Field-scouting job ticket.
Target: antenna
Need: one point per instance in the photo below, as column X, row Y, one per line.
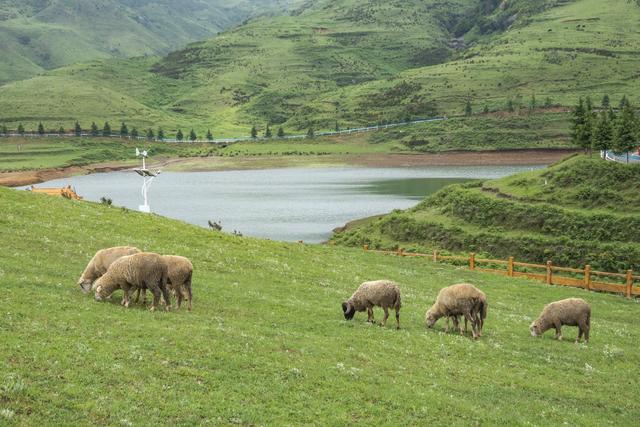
column 147, row 178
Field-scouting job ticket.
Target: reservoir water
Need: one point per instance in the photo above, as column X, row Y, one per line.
column 280, row 204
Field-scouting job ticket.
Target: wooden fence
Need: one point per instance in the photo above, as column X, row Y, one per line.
column 586, row 278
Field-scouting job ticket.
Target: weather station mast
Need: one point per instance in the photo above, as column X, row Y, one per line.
column 147, row 179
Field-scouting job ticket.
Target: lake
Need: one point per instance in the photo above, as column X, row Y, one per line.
column 280, row 204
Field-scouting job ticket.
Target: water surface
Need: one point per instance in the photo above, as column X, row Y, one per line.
column 280, row 204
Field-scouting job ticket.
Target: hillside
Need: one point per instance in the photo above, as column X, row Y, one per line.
column 577, row 212
column 38, row 35
column 266, row 342
column 354, row 62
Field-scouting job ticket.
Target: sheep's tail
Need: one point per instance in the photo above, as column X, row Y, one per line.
column 398, row 301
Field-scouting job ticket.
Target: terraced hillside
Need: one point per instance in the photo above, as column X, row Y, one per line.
column 266, row 342
column 580, row 211
column 38, row 35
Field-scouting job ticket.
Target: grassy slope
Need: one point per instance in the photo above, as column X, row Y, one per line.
column 35, row 154
column 585, row 48
column 266, row 342
column 266, row 70
column 314, row 68
column 586, row 213
column 40, row 35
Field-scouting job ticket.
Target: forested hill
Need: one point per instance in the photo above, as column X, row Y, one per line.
column 36, row 35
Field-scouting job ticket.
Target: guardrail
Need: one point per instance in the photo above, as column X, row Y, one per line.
column 585, row 278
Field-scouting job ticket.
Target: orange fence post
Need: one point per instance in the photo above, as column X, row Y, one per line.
column 549, row 273
column 365, row 247
column 472, row 261
column 587, row 277
column 510, row 267
column 629, row 283
column 400, row 252
column 435, row 256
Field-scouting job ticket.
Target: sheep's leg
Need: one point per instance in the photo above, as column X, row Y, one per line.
column 125, row 296
column 579, row 334
column 189, row 296
column 370, row 315
column 446, row 328
column 156, row 298
column 586, row 333
column 558, row 328
column 179, row 296
column 397, row 318
column 386, row 316
column 474, row 327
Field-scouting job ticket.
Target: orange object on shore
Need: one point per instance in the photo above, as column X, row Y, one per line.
column 66, row 192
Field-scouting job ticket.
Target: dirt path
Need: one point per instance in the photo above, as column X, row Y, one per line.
column 458, row 158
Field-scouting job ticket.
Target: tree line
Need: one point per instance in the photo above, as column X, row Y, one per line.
column 605, row 128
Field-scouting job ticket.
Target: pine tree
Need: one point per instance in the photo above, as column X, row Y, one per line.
column 311, row 133
column 468, row 109
column 160, row 134
column 192, row 135
column 624, row 139
column 337, row 126
column 179, row 135
column 61, row 131
column 209, row 135
column 40, row 129
column 106, row 130
column 94, row 129
column 623, row 102
column 485, row 110
column 578, row 137
column 589, row 104
column 280, row 132
column 510, row 106
column 21, row 129
column 124, row 130
column 254, row 132
column 150, row 134
column 77, row 129
column 603, row 133
column 267, row 132
column 605, row 101
column 532, row 103
column 548, row 103
column 134, row 132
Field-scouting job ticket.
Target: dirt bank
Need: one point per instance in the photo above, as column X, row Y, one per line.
column 456, row 158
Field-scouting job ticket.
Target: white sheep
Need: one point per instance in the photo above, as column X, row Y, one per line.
column 380, row 293
column 570, row 311
column 100, row 263
column 462, row 299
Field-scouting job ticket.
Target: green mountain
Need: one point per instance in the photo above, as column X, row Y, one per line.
column 38, row 35
column 356, row 62
column 577, row 212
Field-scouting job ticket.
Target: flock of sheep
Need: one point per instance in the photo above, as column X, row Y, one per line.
column 132, row 270
column 129, row 269
column 465, row 300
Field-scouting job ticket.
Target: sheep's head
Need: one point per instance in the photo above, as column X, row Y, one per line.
column 535, row 329
column 430, row 318
column 348, row 310
column 85, row 285
column 101, row 293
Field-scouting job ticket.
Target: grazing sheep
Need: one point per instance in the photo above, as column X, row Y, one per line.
column 462, row 299
column 380, row 293
column 100, row 263
column 180, row 271
column 142, row 270
column 570, row 312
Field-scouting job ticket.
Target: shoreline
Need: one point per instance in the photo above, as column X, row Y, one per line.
column 377, row 160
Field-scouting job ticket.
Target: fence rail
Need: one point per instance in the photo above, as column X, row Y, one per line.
column 627, row 283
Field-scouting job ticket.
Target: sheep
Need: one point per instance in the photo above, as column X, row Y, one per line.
column 142, row 270
column 570, row 312
column 180, row 271
column 462, row 299
column 380, row 293
column 100, row 263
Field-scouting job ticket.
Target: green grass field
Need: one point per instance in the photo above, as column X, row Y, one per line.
column 17, row 154
column 266, row 343
column 577, row 212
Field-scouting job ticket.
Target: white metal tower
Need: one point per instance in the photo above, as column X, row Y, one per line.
column 147, row 178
